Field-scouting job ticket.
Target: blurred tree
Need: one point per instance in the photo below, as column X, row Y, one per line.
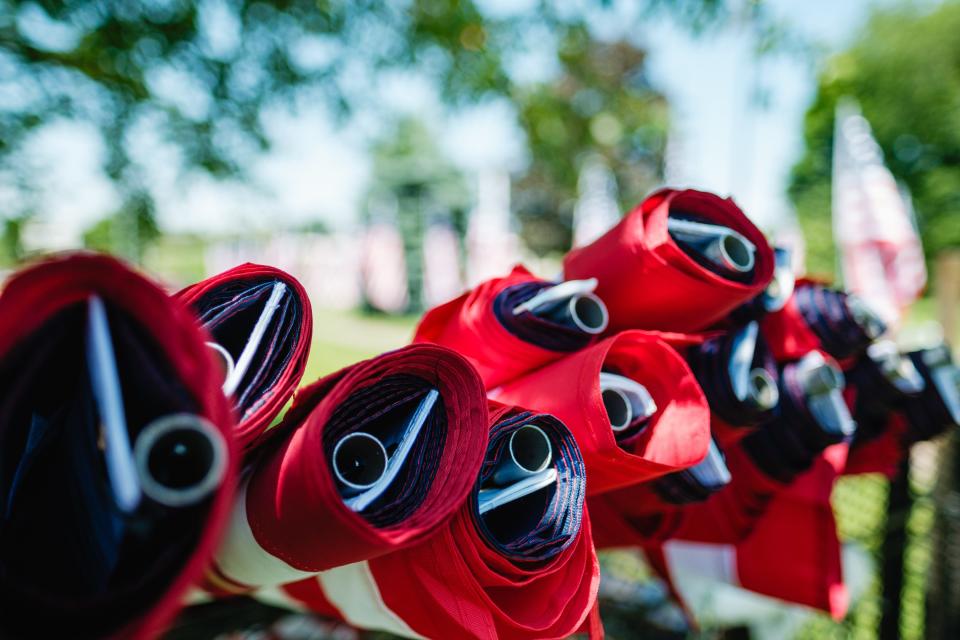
column 413, row 180
column 11, row 240
column 201, row 74
column 127, row 230
column 603, row 103
column 905, row 72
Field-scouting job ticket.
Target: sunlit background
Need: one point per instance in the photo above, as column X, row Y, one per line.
column 390, row 154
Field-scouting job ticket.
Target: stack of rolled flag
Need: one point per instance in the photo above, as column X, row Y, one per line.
column 677, row 392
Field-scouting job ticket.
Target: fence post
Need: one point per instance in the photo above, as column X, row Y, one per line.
column 943, row 593
column 899, row 503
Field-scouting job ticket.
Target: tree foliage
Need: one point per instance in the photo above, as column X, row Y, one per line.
column 602, row 103
column 904, row 70
column 201, row 74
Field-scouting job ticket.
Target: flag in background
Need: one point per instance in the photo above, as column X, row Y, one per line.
column 492, row 246
column 597, row 210
column 441, row 264
column 881, row 257
column 383, row 268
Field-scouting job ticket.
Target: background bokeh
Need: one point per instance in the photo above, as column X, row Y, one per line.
column 390, row 154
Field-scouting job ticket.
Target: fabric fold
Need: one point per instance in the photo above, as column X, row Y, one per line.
column 677, row 436
column 649, row 282
column 481, row 325
column 293, row 516
column 230, row 305
column 77, row 562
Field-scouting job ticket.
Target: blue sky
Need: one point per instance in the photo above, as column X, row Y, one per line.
column 725, row 143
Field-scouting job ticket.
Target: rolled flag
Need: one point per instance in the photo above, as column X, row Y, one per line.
column 880, row 381
column 681, row 261
column 697, row 483
column 900, row 399
column 509, row 326
column 811, row 415
column 261, row 324
column 937, row 408
column 739, row 379
column 517, row 560
column 776, row 294
column 632, row 403
column 119, row 460
column 368, row 460
column 818, row 317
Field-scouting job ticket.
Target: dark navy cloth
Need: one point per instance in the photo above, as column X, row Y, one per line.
column 543, row 525
column 229, row 313
column 825, row 311
column 710, row 365
column 542, row 332
column 788, row 444
column 383, row 409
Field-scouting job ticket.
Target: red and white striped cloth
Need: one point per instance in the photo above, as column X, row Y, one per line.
column 441, row 264
column 880, row 252
column 383, row 268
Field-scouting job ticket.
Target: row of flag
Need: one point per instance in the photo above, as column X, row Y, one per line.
column 678, row 392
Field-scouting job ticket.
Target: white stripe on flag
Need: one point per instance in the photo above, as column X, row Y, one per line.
column 881, row 256
column 354, row 592
column 717, row 562
column 242, row 559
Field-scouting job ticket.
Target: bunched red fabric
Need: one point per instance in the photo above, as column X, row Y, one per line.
column 291, row 521
column 787, row 333
column 818, row 317
column 637, row 516
column 793, row 552
column 480, row 326
column 73, row 565
column 648, row 282
column 676, row 437
column 228, row 305
column 470, row 581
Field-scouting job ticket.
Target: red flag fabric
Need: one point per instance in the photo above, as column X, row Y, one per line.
column 74, row 564
column 649, row 282
column 676, row 437
column 481, row 326
column 274, row 536
column 229, row 305
column 882, row 453
column 817, row 317
column 787, row 334
column 637, row 516
column 792, row 553
column 473, row 579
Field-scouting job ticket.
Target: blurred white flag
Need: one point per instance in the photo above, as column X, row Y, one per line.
column 492, row 246
column 441, row 264
column 597, row 209
column 880, row 252
column 383, row 268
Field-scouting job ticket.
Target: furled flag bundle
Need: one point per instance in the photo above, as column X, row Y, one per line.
column 677, row 393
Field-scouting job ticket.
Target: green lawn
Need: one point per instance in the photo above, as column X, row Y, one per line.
column 344, row 337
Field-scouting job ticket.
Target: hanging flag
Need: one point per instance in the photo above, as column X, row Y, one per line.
column 596, row 211
column 881, row 257
column 492, row 246
column 441, row 264
column 383, row 268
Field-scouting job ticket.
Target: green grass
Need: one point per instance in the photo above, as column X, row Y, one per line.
column 341, row 338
